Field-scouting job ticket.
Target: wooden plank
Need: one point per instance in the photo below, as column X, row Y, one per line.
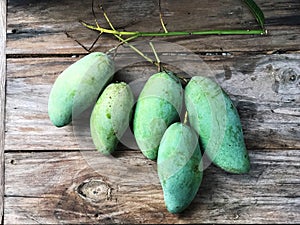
column 72, row 187
column 40, row 28
column 2, row 98
column 268, row 102
column 53, row 177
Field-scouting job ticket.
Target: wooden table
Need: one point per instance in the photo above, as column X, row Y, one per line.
column 45, row 175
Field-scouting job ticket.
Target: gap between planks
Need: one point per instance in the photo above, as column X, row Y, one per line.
column 200, row 53
column 2, row 100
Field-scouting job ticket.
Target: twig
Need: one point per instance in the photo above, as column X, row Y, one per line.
column 156, row 56
column 137, row 34
column 161, row 18
column 125, row 41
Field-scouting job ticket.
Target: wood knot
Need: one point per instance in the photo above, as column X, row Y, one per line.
column 94, row 190
column 287, row 80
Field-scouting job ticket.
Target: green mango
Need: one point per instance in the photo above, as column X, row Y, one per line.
column 78, row 87
column 110, row 116
column 179, row 166
column 158, row 106
column 212, row 114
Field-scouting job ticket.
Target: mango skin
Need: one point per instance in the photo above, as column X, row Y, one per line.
column 110, row 116
column 158, row 106
column 78, row 87
column 212, row 114
column 179, row 166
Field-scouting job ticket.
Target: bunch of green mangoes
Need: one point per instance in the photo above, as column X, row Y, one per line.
column 213, row 124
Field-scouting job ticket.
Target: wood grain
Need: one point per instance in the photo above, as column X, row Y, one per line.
column 40, row 29
column 54, row 175
column 72, row 187
column 2, row 99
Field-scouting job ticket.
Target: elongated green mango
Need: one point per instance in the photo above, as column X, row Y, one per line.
column 78, row 87
column 212, row 114
column 110, row 116
column 158, row 105
column 179, row 166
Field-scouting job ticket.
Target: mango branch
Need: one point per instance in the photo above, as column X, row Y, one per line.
column 125, row 41
column 136, row 34
column 131, row 35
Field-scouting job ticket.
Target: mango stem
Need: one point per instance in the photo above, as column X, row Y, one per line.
column 185, row 120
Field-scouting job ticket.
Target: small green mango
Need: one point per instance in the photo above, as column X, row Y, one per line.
column 179, row 166
column 110, row 116
column 158, row 106
column 212, row 114
column 78, row 87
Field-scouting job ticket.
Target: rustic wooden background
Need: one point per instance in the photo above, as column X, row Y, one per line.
column 49, row 176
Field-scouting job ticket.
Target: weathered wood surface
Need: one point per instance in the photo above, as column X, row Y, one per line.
column 53, row 175
column 57, row 187
column 272, row 114
column 2, row 99
column 36, row 27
